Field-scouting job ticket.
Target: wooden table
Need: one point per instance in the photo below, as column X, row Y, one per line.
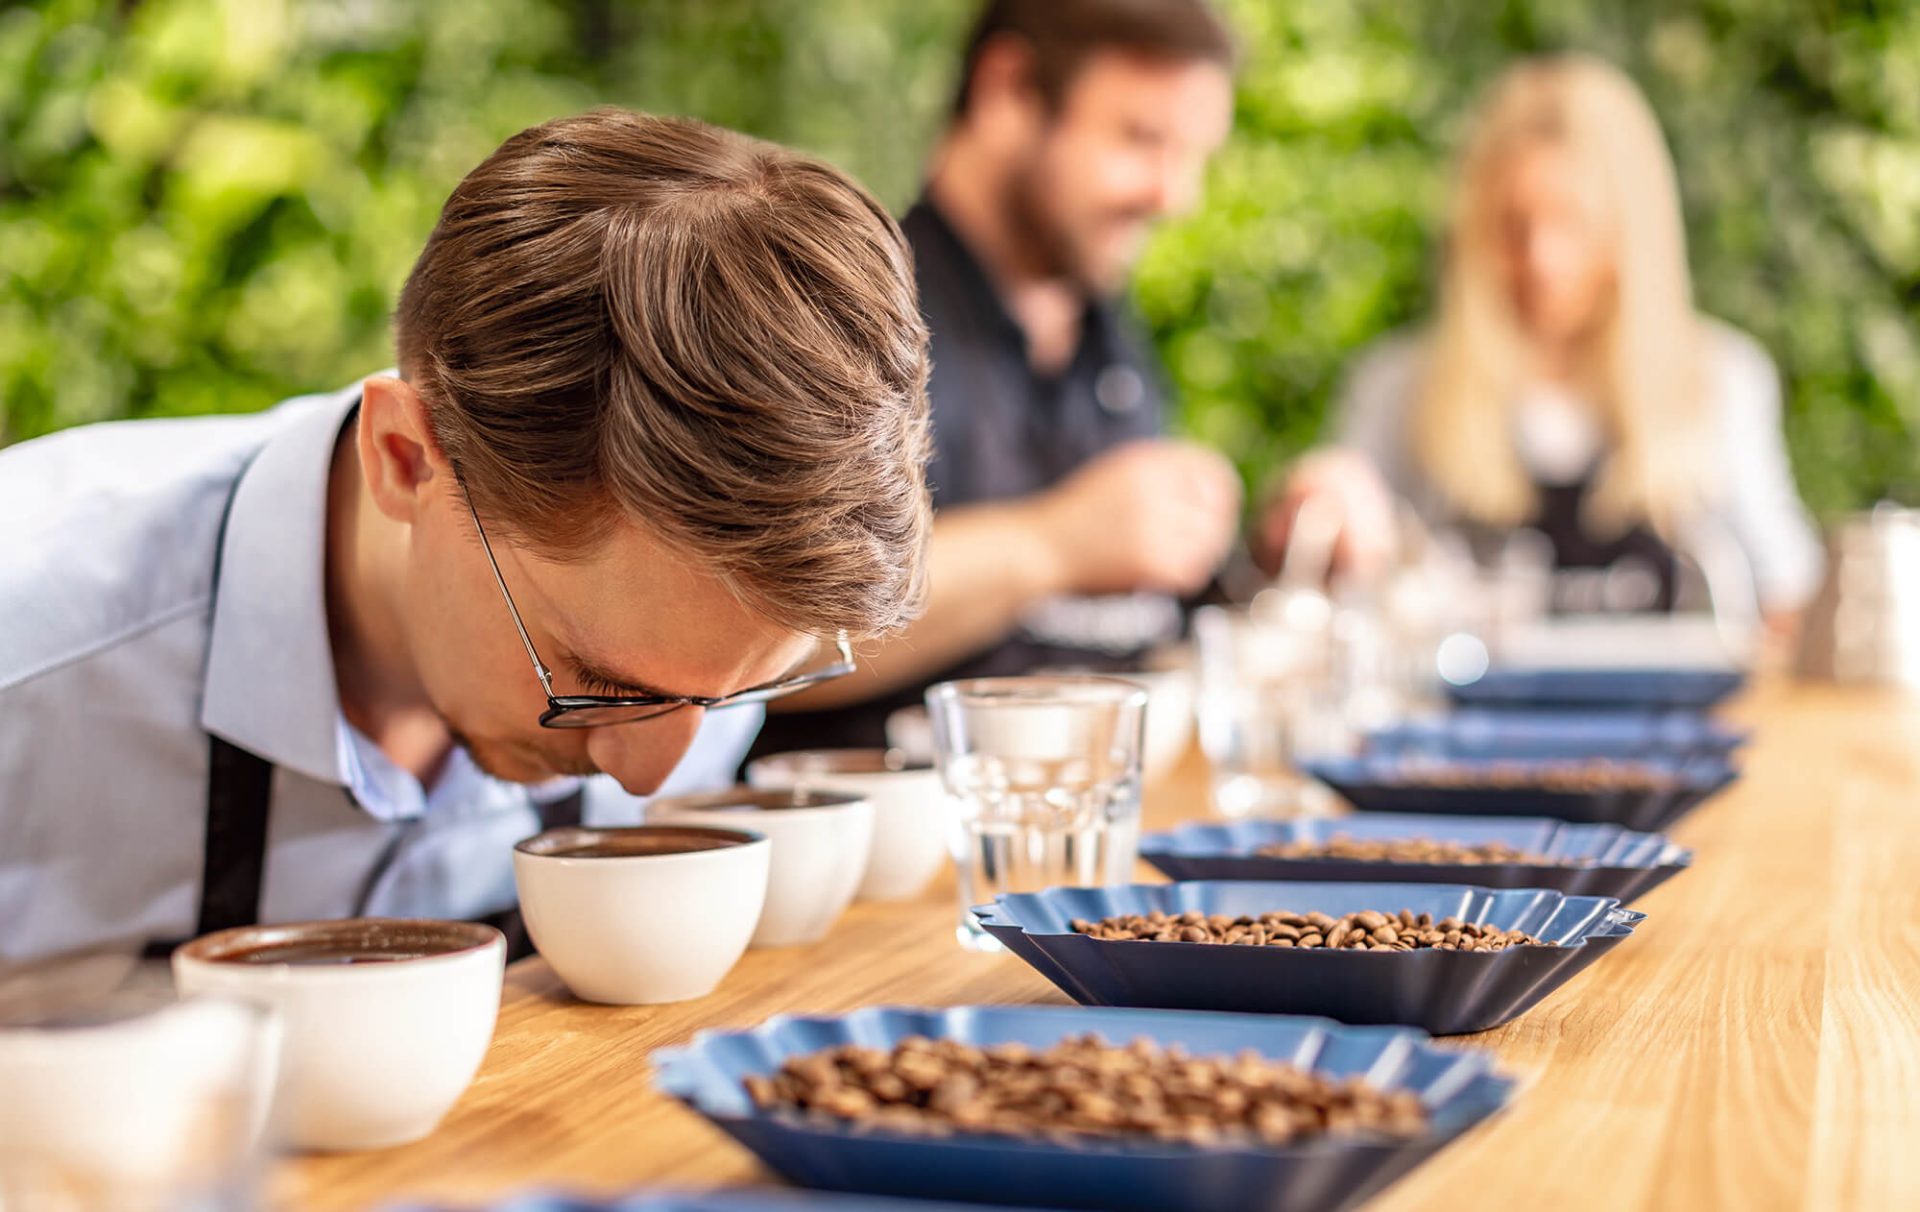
column 1756, row 1045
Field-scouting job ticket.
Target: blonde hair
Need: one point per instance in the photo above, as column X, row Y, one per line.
column 1652, row 391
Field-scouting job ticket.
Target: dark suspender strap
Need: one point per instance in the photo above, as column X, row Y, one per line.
column 563, row 812
column 239, row 790
column 239, row 797
column 239, row 802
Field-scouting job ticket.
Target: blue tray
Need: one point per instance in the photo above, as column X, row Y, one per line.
column 1459, row 1089
column 1488, row 732
column 739, row 1199
column 1378, row 783
column 1445, row 992
column 1616, row 862
column 1697, row 689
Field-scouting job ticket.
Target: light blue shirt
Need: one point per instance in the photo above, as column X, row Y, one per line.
column 117, row 661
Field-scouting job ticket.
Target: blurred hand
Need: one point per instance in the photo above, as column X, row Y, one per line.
column 1151, row 515
column 1345, row 483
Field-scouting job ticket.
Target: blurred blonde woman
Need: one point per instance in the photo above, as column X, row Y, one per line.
column 1567, row 384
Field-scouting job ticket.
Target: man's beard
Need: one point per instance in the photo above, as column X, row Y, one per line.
column 1047, row 247
column 1044, row 249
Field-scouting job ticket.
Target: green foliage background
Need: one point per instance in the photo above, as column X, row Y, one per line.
column 207, row 205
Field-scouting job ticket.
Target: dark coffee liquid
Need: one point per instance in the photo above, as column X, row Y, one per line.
column 640, row 841
column 822, row 767
column 325, row 954
column 628, row 847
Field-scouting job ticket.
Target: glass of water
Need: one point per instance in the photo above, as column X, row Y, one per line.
column 1268, row 699
column 1044, row 776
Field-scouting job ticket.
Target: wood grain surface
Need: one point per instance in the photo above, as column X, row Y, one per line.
column 1756, row 1044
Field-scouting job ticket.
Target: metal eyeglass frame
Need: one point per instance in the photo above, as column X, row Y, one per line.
column 589, row 710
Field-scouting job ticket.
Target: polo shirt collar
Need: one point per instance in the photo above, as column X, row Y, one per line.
column 270, row 686
column 933, row 236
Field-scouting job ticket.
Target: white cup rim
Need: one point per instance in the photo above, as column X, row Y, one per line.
column 762, row 805
column 470, row 938
column 528, row 849
column 814, row 765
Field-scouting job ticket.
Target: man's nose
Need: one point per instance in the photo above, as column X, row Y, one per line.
column 641, row 755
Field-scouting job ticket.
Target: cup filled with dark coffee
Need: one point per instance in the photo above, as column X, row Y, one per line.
column 820, row 840
column 912, row 819
column 642, row 915
column 384, row 1021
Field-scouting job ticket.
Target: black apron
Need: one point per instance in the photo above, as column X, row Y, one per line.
column 1632, row 571
column 1629, row 572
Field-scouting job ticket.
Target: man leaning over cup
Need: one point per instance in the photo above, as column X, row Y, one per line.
column 653, row 455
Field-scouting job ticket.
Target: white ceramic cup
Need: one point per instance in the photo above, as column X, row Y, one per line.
column 1170, row 695
column 820, row 844
column 1167, row 677
column 384, row 1021
column 149, row 1105
column 911, row 819
column 642, row 915
column 910, row 732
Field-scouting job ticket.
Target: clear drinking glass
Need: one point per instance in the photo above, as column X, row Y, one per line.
column 1513, row 592
column 1268, row 700
column 1044, row 776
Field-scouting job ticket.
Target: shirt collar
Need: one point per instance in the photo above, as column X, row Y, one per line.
column 270, row 685
column 934, row 238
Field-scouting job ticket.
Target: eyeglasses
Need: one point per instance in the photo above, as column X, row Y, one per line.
column 596, row 711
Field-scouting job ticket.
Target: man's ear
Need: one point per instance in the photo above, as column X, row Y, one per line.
column 400, row 462
column 1004, row 95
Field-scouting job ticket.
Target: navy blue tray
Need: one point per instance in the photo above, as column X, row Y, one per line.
column 737, row 1199
column 1697, row 689
column 1379, row 783
column 1459, row 1089
column 1614, row 862
column 1445, row 992
column 1489, row 732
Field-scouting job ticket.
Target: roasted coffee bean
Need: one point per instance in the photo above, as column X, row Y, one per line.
column 1083, row 1087
column 1368, row 929
column 1409, row 850
column 1594, row 774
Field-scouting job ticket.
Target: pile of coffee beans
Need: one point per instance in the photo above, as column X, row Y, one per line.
column 1592, row 775
column 1367, row 930
column 1082, row 1088
column 1406, row 850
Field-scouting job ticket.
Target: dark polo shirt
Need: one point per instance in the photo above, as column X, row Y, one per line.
column 1001, row 430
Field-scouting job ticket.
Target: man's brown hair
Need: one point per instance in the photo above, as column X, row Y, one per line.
column 1061, row 34
column 621, row 315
